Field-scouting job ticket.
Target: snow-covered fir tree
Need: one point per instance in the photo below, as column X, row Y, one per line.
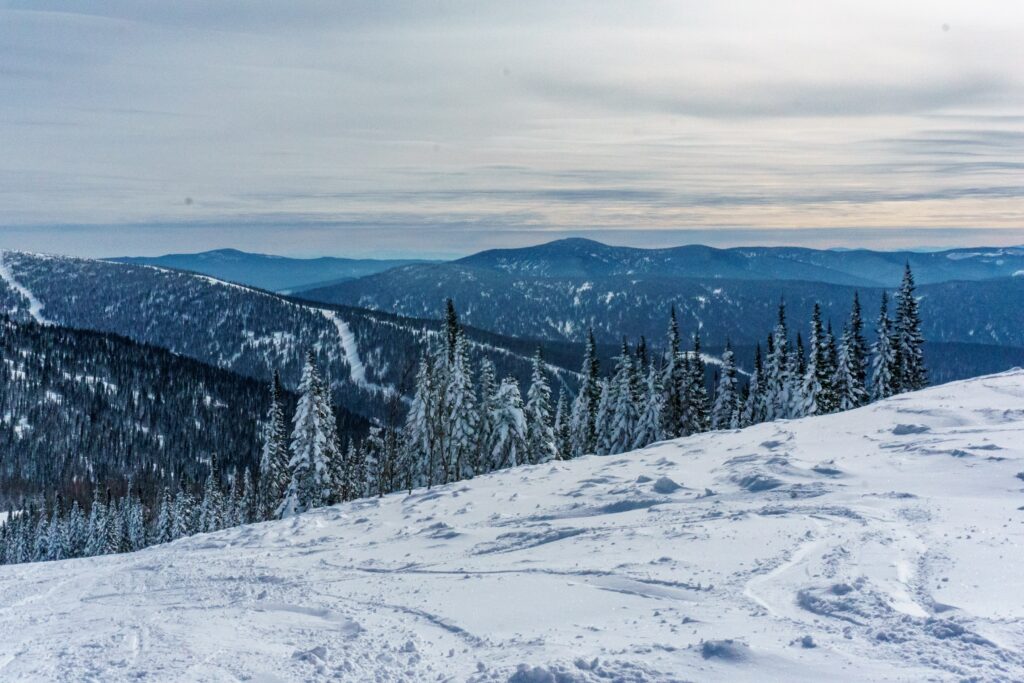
column 883, row 356
column 562, row 427
column 649, row 424
column 778, row 381
column 309, row 485
column 461, row 404
column 274, row 472
column 725, row 411
column 816, row 380
column 540, row 432
column 486, row 422
column 857, row 350
column 583, row 423
column 909, row 343
column 673, row 382
column 509, row 442
column 621, row 410
column 698, row 408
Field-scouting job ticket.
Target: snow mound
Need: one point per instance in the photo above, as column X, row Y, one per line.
column 847, row 547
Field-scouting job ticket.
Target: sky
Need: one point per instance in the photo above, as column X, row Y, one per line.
column 434, row 128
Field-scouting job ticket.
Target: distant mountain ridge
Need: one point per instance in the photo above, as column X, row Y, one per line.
column 577, row 257
column 275, row 273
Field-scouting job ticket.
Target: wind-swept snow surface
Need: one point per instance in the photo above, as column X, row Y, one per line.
column 884, row 543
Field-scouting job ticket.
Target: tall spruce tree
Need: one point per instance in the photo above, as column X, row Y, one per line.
column 585, row 406
column 777, row 377
column 562, row 427
column 857, row 350
column 816, row 379
column 650, row 421
column 540, row 432
column 275, row 474
column 461, row 398
column 725, row 411
column 509, row 427
column 622, row 409
column 883, row 356
column 910, row 371
column 698, row 406
column 673, row 382
column 310, row 482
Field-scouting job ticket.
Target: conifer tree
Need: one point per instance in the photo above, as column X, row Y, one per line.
column 857, row 350
column 461, row 399
column 183, row 515
column 650, row 421
column 777, row 379
column 509, row 427
column 211, row 507
column 583, row 423
column 274, row 472
column 355, row 472
column 698, row 407
column 486, row 422
column 562, row 429
column 452, row 329
column 96, row 534
column 162, row 532
column 910, row 371
column 816, row 379
column 725, row 413
column 622, row 409
column 420, row 435
column 753, row 405
column 883, row 358
column 247, row 503
column 849, row 390
column 374, row 458
column 540, row 433
column 673, row 382
column 603, row 421
column 310, row 482
column 76, row 531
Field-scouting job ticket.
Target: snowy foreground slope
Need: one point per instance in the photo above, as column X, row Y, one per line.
column 885, row 543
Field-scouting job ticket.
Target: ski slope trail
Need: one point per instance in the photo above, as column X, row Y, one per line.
column 357, row 370
column 35, row 307
column 882, row 544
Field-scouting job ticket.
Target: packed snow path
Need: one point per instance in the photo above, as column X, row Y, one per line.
column 881, row 544
column 35, row 307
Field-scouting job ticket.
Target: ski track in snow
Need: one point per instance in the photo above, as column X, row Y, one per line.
column 888, row 550
column 357, row 371
column 35, row 307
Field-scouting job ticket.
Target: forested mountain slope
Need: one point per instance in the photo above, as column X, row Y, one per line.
column 80, row 409
column 275, row 273
column 369, row 357
column 875, row 544
column 984, row 312
column 862, row 267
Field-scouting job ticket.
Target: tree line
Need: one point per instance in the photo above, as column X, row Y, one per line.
column 462, row 423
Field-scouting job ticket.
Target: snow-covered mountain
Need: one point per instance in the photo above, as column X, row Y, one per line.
column 577, row 257
column 562, row 306
column 370, row 357
column 877, row 544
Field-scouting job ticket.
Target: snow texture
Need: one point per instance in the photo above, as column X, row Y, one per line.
column 880, row 552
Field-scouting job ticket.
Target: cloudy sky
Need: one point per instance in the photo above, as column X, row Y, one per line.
column 372, row 127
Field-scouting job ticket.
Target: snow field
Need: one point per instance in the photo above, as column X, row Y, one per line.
column 878, row 544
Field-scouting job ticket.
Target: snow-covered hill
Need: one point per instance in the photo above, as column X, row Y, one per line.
column 884, row 543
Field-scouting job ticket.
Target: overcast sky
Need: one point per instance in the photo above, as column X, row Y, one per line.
column 346, row 127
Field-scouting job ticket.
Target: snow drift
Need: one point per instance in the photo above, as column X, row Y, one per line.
column 881, row 543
